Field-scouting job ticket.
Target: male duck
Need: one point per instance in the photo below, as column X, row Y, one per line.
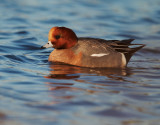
column 88, row 52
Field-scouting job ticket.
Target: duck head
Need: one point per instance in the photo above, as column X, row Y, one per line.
column 61, row 38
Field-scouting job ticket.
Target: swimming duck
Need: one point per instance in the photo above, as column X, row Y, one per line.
column 88, row 52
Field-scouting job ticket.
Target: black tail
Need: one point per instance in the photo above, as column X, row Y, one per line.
column 131, row 51
column 123, row 47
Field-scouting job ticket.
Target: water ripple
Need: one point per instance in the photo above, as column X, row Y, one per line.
column 68, row 95
column 22, row 32
column 53, row 21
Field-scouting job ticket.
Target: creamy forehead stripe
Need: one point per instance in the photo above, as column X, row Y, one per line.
column 99, row 54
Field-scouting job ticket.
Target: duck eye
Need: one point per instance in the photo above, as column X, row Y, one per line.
column 57, row 36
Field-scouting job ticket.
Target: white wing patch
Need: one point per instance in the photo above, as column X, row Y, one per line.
column 100, row 54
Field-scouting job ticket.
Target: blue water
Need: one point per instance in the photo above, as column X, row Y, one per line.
column 34, row 92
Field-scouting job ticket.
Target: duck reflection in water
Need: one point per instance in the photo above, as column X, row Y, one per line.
column 64, row 78
column 64, row 71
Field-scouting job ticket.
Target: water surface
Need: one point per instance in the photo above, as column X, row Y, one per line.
column 33, row 91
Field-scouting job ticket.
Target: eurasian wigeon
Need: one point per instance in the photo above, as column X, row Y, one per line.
column 88, row 52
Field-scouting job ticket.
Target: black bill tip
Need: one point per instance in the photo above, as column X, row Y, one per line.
column 42, row 47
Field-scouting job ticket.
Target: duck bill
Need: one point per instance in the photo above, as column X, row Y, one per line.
column 48, row 45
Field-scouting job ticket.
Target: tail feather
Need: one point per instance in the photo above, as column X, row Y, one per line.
column 124, row 46
column 124, row 42
column 130, row 53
